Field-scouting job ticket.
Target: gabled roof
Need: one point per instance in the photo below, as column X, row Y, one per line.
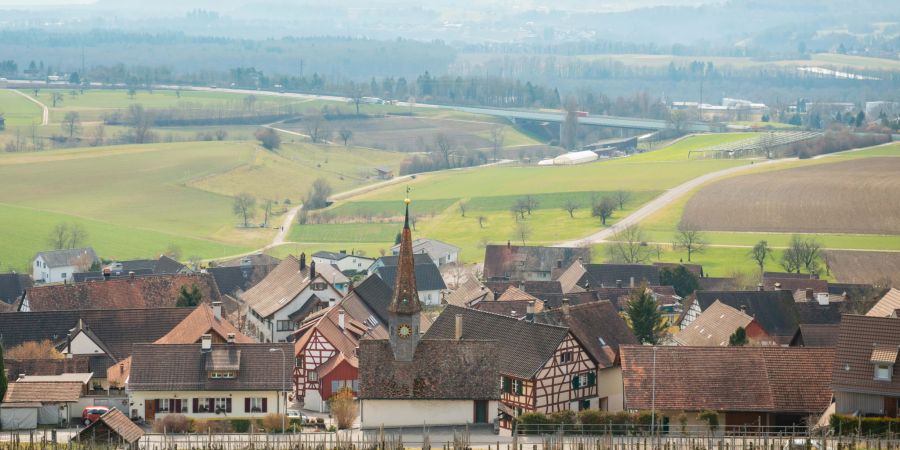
column 429, row 246
column 117, row 423
column 66, row 257
column 795, row 284
column 418, row 259
column 713, row 327
column 514, row 293
column 232, row 279
column 157, row 367
column 278, row 288
column 539, row 289
column 440, row 370
column 506, row 261
column 376, row 295
column 853, row 368
column 512, row 308
column 332, row 274
column 523, row 347
column 469, row 292
column 814, row 313
column 428, row 276
column 327, row 323
column 597, row 326
column 817, row 335
column 12, row 286
column 788, row 275
column 168, row 265
column 44, row 392
column 612, row 275
column 568, row 279
column 152, row 291
column 763, row 379
column 620, row 296
column 334, row 256
column 886, row 306
column 774, row 311
column 258, row 259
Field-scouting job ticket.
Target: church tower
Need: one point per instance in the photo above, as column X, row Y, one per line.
column 405, row 309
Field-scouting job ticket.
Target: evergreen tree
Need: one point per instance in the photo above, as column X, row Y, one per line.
column 189, row 298
column 643, row 316
column 738, row 338
column 682, row 279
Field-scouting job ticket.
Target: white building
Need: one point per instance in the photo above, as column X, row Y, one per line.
column 345, row 262
column 58, row 266
column 440, row 252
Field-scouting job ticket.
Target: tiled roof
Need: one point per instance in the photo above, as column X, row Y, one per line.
column 612, row 275
column 568, row 279
column 859, row 336
column 118, row 423
column 788, row 275
column 514, row 293
column 597, row 326
column 884, row 354
column 152, row 291
column 511, row 308
column 620, row 296
column 233, row 279
column 819, row 335
column 506, row 261
column 202, row 320
column 278, row 288
column 814, row 313
column 12, row 286
column 157, row 367
column 325, row 368
column 429, row 246
column 440, row 369
column 66, row 257
column 795, row 284
column 764, row 379
column 469, row 292
column 775, row 311
column 328, row 324
column 540, row 289
column 260, row 259
column 331, row 273
column 418, row 259
column 428, row 276
column 43, row 391
column 16, row 367
column 713, row 327
column 523, row 347
column 886, row 306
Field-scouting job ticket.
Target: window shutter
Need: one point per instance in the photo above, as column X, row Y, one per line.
column 228, row 405
column 506, row 385
column 211, row 404
column 247, row 404
column 195, row 405
column 265, row 407
column 592, row 378
column 576, row 382
column 156, row 404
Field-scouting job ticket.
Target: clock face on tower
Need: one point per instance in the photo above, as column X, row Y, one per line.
column 404, row 331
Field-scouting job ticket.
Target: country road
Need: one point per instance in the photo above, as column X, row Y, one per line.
column 285, row 227
column 45, row 116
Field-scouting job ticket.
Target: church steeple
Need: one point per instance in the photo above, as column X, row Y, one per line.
column 405, row 308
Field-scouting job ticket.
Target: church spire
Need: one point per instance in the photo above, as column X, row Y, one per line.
column 406, row 297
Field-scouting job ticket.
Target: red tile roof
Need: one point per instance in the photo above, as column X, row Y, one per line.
column 853, row 369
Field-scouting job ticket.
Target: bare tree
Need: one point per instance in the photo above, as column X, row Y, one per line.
column 810, row 254
column 59, row 236
column 531, row 203
column 523, row 232
column 481, row 221
column 314, row 122
column 244, row 206
column 71, row 123
column 678, row 120
column 444, row 146
column 519, row 208
column 267, row 208
column 346, row 134
column 629, row 246
column 462, row 208
column 603, row 209
column 77, row 235
column 56, row 98
column 83, row 262
column 268, row 138
column 140, row 121
column 98, row 136
column 497, row 138
column 355, row 94
column 622, row 198
column 690, row 238
column 570, row 206
column 760, row 253
column 766, row 143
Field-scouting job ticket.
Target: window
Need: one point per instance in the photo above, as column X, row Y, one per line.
column 162, row 405
column 312, row 375
column 565, row 357
column 251, row 405
column 62, row 275
column 318, row 286
column 221, row 374
column 223, row 405
column 518, row 387
column 584, row 404
column 203, row 405
column 285, row 325
column 256, row 405
column 506, row 384
column 883, row 372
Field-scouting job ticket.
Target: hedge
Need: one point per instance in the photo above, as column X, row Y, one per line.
column 865, row 426
column 623, row 422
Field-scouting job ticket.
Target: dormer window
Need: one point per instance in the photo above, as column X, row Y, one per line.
column 883, row 372
column 883, row 359
column 318, row 286
column 222, row 374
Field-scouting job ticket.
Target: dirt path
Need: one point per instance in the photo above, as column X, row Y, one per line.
column 285, row 227
column 45, row 117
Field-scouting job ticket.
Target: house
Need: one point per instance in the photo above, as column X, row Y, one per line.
column 256, row 259
column 202, row 321
column 334, row 276
column 429, row 280
column 542, row 367
column 618, row 275
column 162, row 266
column 57, row 266
column 775, row 311
column 887, row 306
column 816, row 335
column 27, row 405
column 468, row 293
column 235, row 280
column 384, row 173
column 12, row 288
column 600, row 330
column 569, row 277
column 864, row 376
column 347, row 263
column 529, row 263
column 151, row 291
column 408, row 379
column 112, row 429
column 745, row 386
column 288, row 294
column 714, row 327
column 209, row 381
column 440, row 252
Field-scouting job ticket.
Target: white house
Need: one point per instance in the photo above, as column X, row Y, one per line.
column 288, row 294
column 345, row 262
column 58, row 266
column 440, row 252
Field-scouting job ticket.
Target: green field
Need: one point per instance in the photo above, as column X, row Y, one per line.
column 679, row 150
column 18, row 110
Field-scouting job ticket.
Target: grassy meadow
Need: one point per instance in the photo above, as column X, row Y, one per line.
column 18, row 111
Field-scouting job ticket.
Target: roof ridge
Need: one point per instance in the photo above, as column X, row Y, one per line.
column 505, row 317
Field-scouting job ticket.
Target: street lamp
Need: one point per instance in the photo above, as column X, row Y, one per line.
column 283, row 416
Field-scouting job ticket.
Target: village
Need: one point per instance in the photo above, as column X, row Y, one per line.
column 542, row 340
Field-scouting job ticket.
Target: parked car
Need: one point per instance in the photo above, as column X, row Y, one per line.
column 90, row 414
column 294, row 414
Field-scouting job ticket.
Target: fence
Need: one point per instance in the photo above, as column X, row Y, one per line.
column 753, row 146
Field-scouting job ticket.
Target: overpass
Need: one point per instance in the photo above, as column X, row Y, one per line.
column 601, row 121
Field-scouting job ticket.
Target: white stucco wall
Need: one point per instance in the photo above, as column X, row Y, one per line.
column 415, row 413
column 40, row 272
column 139, row 398
column 609, row 385
column 83, row 345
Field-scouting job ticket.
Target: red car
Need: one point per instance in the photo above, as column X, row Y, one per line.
column 90, row 414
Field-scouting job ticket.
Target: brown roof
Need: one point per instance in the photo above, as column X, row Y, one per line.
column 818, row 335
column 597, row 326
column 116, row 422
column 795, row 284
column 514, row 293
column 46, row 366
column 853, row 367
column 568, row 278
column 886, row 306
column 260, row 259
column 405, row 298
column 327, row 323
column 713, row 327
column 511, row 308
column 467, row 293
column 158, row 367
column 278, row 288
column 440, row 369
column 508, row 261
column 151, row 291
column 764, row 379
column 336, row 361
column 43, row 391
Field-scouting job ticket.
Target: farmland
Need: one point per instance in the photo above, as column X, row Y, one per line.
column 864, row 267
column 18, row 110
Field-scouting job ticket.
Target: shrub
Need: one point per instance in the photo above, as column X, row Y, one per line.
column 532, row 423
column 593, row 417
column 273, row 421
column 172, row 423
column 878, row 426
column 241, row 425
column 564, row 417
column 343, row 408
column 211, row 426
column 711, row 418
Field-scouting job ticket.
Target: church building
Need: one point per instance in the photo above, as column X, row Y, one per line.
column 407, row 381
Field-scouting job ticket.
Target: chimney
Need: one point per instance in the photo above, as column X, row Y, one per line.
column 759, row 287
column 106, row 273
column 565, row 307
column 508, row 244
column 777, row 285
column 131, row 275
column 529, row 312
column 631, row 282
column 823, row 298
column 302, row 262
column 341, row 318
column 217, row 309
column 809, row 294
column 312, row 270
column 205, row 343
column 230, row 338
column 458, row 329
column 618, row 283
column 559, row 264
